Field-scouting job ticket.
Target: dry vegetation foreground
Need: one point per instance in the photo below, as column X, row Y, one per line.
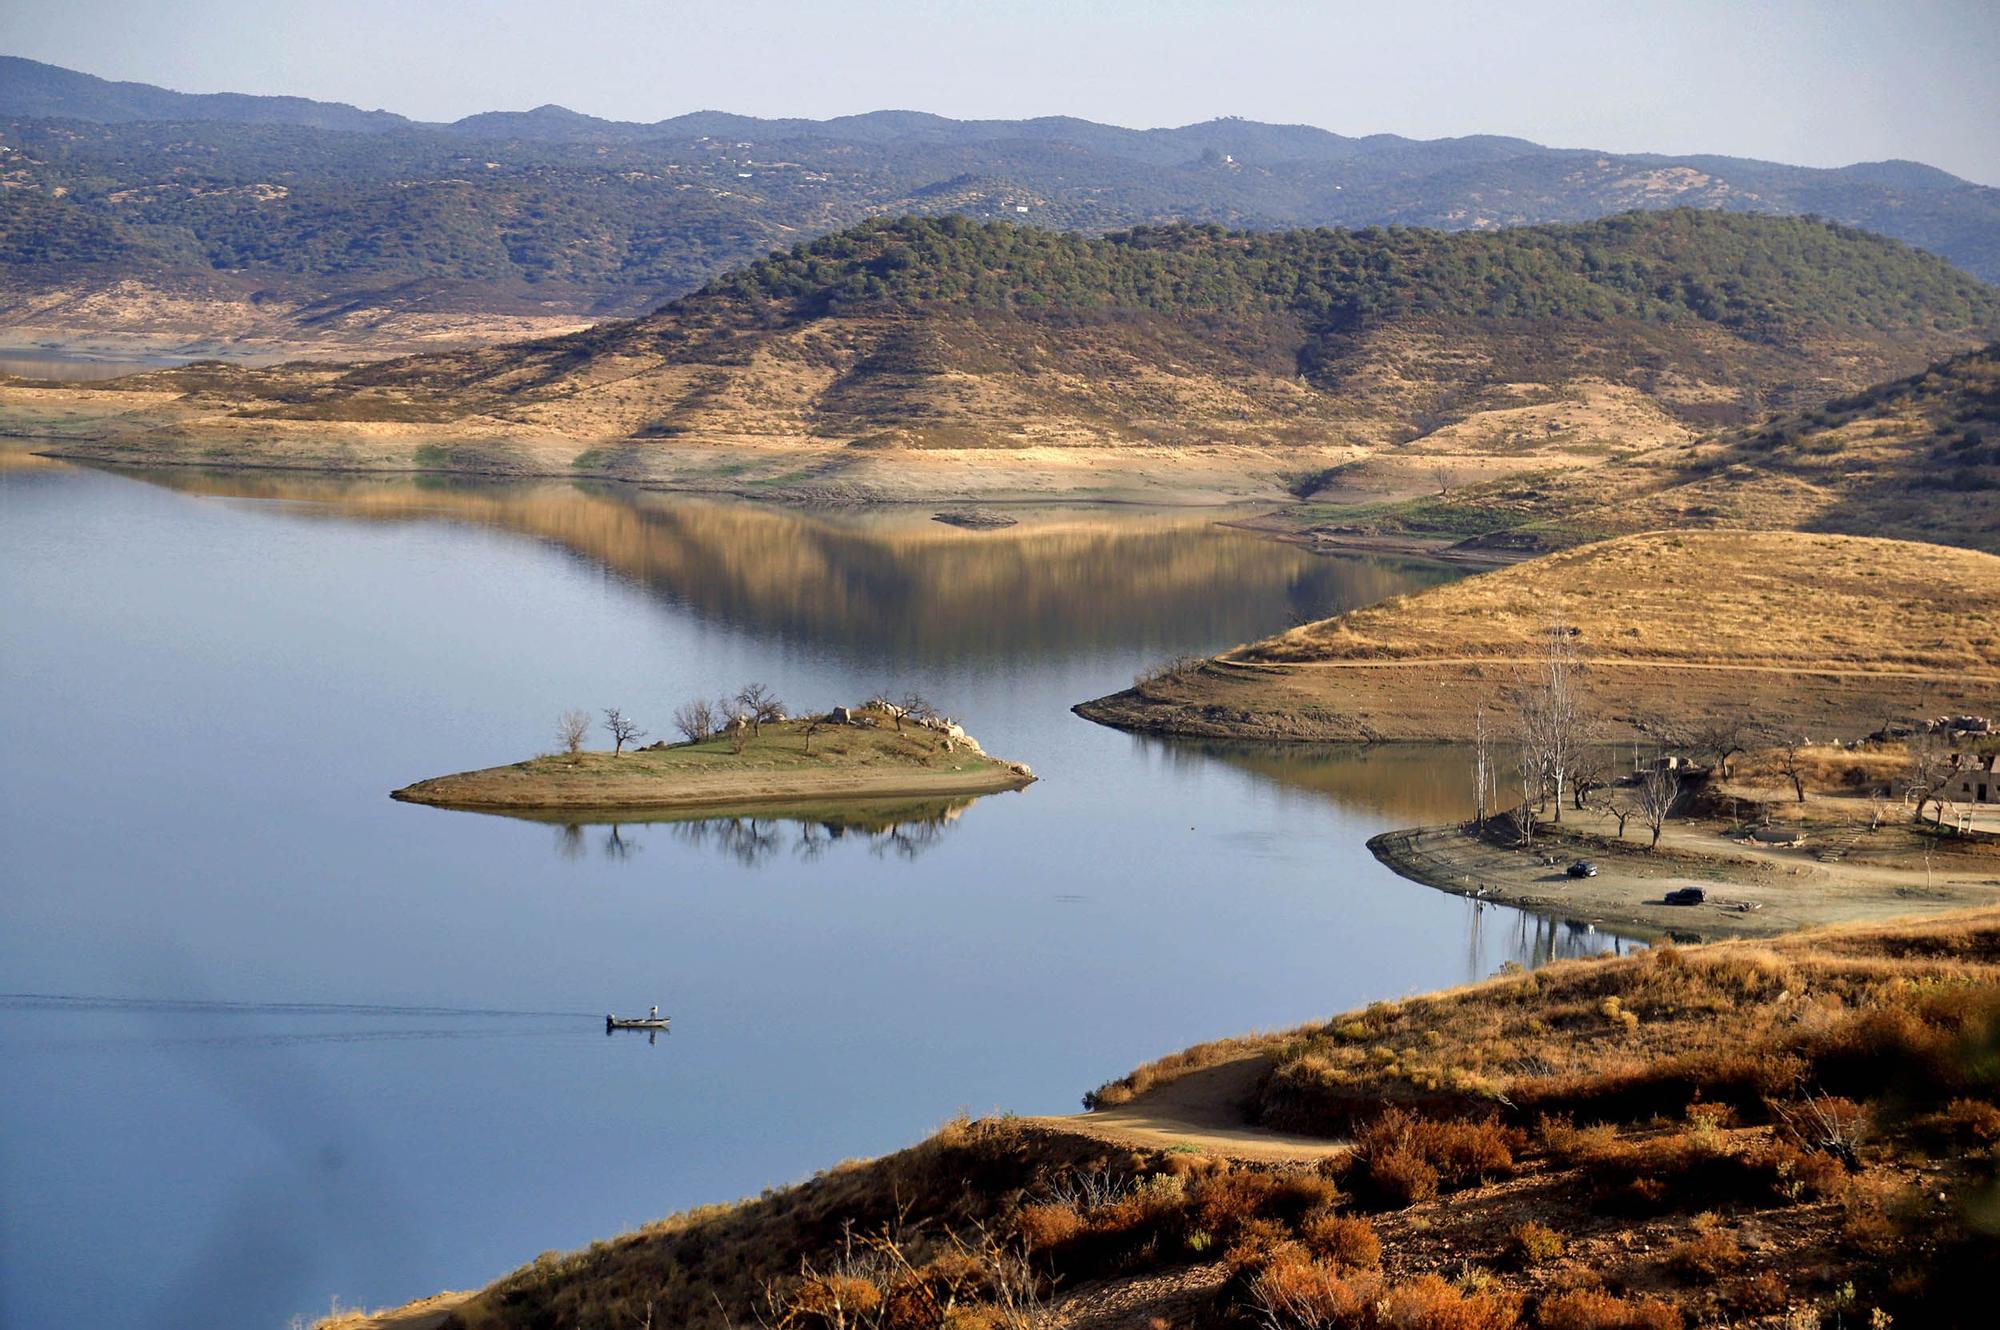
column 1802, row 1133
column 1831, row 633
column 782, row 763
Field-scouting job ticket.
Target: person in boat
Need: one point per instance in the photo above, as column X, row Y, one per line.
column 654, row 1015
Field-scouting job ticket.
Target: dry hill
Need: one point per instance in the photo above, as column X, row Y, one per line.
column 896, row 343
column 1835, row 634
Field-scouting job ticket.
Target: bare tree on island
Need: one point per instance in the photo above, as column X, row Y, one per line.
column 695, row 720
column 571, row 727
column 1722, row 737
column 622, row 729
column 758, row 705
column 1659, row 791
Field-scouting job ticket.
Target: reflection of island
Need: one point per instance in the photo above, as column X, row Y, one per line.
column 904, row 829
column 1405, row 782
column 1061, row 579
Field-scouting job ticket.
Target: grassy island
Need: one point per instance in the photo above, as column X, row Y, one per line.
column 847, row 754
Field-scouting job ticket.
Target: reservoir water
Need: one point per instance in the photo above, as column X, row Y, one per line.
column 270, row 1038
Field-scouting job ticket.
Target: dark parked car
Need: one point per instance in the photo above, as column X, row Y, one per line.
column 1583, row 868
column 1686, row 896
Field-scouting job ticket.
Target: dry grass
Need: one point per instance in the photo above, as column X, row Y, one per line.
column 1769, row 599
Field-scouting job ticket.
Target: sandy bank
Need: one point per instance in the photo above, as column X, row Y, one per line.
column 1750, row 893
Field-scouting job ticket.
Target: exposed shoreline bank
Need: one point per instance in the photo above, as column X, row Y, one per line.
column 1748, row 895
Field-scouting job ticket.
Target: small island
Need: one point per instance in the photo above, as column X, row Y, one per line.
column 751, row 756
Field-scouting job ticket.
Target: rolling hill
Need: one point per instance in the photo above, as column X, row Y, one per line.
column 1819, row 634
column 931, row 334
column 1917, row 458
column 278, row 217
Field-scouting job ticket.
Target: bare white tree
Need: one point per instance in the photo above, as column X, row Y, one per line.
column 1553, row 724
column 1659, row 791
column 1482, row 763
column 622, row 729
column 571, row 727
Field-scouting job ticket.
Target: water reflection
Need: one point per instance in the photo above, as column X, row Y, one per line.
column 1410, row 784
column 888, row 579
column 901, row 829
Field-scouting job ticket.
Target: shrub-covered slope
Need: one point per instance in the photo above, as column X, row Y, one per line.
column 946, row 331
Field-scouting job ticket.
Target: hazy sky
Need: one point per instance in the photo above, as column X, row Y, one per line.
column 1817, row 83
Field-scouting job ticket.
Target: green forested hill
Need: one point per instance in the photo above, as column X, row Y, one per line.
column 102, row 182
column 1761, row 276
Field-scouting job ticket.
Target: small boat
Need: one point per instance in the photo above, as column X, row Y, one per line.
column 634, row 1023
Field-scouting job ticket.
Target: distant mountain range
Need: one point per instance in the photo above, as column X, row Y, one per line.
column 314, row 215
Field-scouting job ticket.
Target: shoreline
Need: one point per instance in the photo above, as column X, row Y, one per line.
column 1749, row 895
column 780, row 799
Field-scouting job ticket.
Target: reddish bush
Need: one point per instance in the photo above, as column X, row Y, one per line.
column 1346, row 1241
column 1047, row 1226
column 1590, row 1309
column 1532, row 1243
column 1405, row 1158
column 829, row 1302
column 1761, row 1295
column 1429, row 1303
column 1300, row 1292
column 1705, row 1255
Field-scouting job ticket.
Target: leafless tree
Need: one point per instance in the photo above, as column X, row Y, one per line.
column 759, row 705
column 622, row 728
column 1721, row 738
column 1659, row 791
column 1482, row 762
column 1791, row 761
column 1529, row 768
column 1621, row 810
column 1930, row 768
column 1445, row 475
column 918, row 707
column 571, row 727
column 1553, row 724
column 1591, row 774
column 814, row 724
column 695, row 720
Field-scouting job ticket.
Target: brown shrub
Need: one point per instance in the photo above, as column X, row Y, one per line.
column 1405, row 1158
column 1705, row 1255
column 1763, row 1294
column 1295, row 1291
column 829, row 1302
column 1221, row 1204
column 1591, row 1309
column 1429, row 1303
column 1792, row 1174
column 1047, row 1226
column 1962, row 1122
column 1532, row 1243
column 1347, row 1241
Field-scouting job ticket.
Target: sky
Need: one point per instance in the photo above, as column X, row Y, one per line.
column 1816, row 82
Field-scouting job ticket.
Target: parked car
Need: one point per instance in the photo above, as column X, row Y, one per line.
column 1686, row 896
column 1583, row 868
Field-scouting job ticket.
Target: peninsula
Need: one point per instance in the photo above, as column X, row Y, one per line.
column 875, row 751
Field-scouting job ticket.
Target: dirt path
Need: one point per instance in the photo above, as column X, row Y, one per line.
column 1203, row 1109
column 1633, row 662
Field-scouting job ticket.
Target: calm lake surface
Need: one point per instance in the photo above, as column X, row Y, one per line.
column 273, row 1038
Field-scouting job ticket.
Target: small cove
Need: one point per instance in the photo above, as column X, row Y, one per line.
column 276, row 1037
